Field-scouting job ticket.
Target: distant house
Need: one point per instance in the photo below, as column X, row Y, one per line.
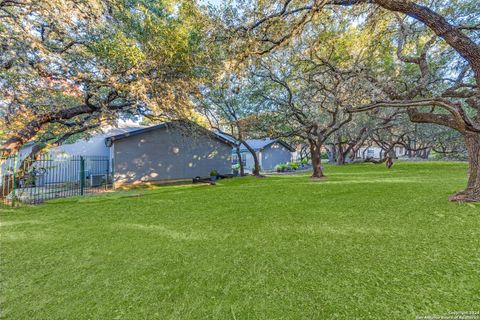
column 93, row 148
column 270, row 152
column 169, row 151
column 377, row 152
column 93, row 145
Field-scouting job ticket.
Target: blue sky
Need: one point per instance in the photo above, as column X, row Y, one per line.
column 214, row 2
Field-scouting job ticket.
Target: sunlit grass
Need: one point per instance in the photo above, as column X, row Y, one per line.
column 367, row 243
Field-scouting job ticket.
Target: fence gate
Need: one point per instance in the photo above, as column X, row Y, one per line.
column 32, row 181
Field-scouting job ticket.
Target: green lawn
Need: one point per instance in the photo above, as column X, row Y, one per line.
column 368, row 243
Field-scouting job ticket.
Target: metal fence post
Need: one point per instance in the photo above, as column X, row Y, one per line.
column 82, row 175
column 2, row 182
column 14, row 186
column 113, row 173
column 107, row 175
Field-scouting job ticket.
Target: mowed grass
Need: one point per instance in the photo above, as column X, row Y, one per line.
column 368, row 243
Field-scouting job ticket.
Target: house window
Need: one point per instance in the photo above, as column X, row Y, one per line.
column 235, row 159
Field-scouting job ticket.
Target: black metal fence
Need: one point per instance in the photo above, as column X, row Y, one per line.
column 32, row 181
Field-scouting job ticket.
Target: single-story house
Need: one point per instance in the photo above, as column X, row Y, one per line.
column 270, row 152
column 61, row 167
column 176, row 150
column 170, row 151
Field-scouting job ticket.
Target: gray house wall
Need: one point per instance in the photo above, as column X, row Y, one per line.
column 63, row 168
column 274, row 154
column 94, row 145
column 168, row 154
column 249, row 163
column 268, row 157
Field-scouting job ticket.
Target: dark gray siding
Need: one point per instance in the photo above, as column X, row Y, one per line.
column 169, row 154
column 274, row 154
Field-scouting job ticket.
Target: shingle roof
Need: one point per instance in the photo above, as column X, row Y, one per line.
column 127, row 134
column 121, row 130
column 261, row 144
column 131, row 133
column 226, row 137
column 256, row 144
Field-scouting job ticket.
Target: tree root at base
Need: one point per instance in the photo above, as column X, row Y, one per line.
column 318, row 178
column 469, row 195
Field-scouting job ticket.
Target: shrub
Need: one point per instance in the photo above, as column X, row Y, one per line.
column 213, row 173
column 236, row 169
column 304, row 161
column 293, row 165
column 281, row 167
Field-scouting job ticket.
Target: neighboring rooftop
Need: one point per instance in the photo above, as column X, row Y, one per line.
column 256, row 144
column 260, row 144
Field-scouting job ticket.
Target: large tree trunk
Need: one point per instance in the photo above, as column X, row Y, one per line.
column 332, row 153
column 304, row 153
column 340, row 153
column 23, row 167
column 365, row 151
column 316, row 155
column 13, row 144
column 30, row 130
column 472, row 192
column 240, row 161
column 256, row 166
column 353, row 153
column 34, row 155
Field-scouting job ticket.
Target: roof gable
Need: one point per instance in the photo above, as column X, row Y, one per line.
column 110, row 140
column 256, row 144
column 261, row 144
